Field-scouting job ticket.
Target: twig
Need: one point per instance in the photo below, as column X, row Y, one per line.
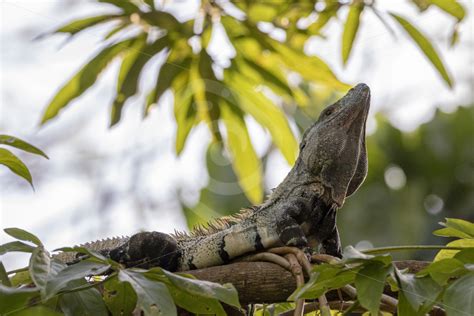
column 409, row 247
column 298, row 273
column 324, row 306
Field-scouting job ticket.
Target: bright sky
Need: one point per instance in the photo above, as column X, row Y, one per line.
column 404, row 85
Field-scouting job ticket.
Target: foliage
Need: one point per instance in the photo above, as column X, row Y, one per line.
column 12, row 162
column 100, row 286
column 440, row 283
column 220, row 95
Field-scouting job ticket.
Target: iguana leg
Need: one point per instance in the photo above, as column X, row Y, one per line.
column 148, row 249
column 290, row 232
column 328, row 234
column 288, row 226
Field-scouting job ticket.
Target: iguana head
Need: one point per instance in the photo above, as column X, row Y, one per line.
column 333, row 148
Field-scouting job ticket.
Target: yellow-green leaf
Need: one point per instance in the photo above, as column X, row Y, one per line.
column 425, row 45
column 311, row 68
column 452, row 7
column 350, row 29
column 445, row 254
column 262, row 12
column 84, row 79
column 129, row 74
column 184, row 110
column 266, row 113
column 80, row 25
column 168, row 72
column 21, row 144
column 13, row 163
column 206, row 89
column 245, row 162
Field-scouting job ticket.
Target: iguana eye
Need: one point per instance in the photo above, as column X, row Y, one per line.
column 328, row 112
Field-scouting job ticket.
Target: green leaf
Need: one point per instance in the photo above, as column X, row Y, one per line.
column 452, row 7
column 168, row 72
column 39, row 267
column 20, row 144
column 245, row 162
column 185, row 115
column 84, row 79
column 261, row 73
column 352, row 255
column 116, row 30
column 265, row 112
column 404, row 307
column 421, row 293
column 369, row 282
column 311, row 68
column 73, row 272
column 451, row 232
column 463, row 229
column 4, row 276
column 151, row 3
column 350, row 29
column 325, row 277
column 12, row 299
column 465, row 256
column 426, row 47
column 458, row 298
column 82, row 24
column 195, row 304
column 166, row 21
column 13, row 163
column 152, row 297
column 119, row 297
column 22, row 235
column 225, row 293
column 15, row 246
column 441, row 271
column 444, row 254
column 126, row 5
column 207, row 91
column 83, row 303
column 21, row 278
column 259, row 12
column 324, row 17
column 130, row 70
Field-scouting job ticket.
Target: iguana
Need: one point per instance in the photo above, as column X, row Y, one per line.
column 300, row 212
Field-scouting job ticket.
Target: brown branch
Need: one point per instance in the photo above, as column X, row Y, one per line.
column 264, row 282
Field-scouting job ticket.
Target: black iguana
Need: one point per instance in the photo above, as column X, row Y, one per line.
column 331, row 165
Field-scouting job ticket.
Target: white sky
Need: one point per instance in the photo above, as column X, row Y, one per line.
column 404, row 85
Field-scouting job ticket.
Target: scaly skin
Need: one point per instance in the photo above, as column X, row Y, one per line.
column 300, row 212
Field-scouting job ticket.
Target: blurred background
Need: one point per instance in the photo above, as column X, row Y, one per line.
column 164, row 173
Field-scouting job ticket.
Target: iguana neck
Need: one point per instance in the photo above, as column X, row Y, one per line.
column 299, row 183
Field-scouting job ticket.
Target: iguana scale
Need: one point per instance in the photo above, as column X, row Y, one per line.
column 300, row 212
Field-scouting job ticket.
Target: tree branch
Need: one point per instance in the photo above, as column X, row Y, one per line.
column 264, row 282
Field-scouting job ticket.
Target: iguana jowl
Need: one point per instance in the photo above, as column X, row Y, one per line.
column 300, row 212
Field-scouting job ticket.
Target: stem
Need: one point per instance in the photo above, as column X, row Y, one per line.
column 410, row 247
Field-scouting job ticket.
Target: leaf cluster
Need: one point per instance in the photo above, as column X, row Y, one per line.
column 100, row 286
column 221, row 94
column 446, row 282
